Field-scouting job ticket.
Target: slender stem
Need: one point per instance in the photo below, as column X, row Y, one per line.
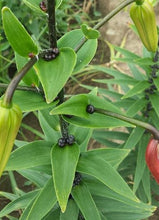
column 14, row 83
column 133, row 121
column 112, row 13
column 23, row 88
column 34, row 131
column 63, row 123
column 52, row 23
column 105, row 19
column 14, row 185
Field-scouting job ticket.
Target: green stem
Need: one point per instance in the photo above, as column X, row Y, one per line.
column 132, row 121
column 14, row 185
column 34, row 131
column 15, row 81
column 113, row 13
column 105, row 20
column 23, row 88
column 63, row 123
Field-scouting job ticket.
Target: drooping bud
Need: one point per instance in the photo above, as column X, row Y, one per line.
column 10, row 119
column 143, row 16
column 152, row 158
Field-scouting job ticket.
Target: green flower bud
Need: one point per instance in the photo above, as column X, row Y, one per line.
column 10, row 119
column 144, row 19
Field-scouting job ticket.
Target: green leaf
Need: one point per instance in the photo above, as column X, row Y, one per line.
column 39, row 178
column 37, row 101
column 97, row 121
column 85, row 202
column 156, row 82
column 44, row 202
column 72, row 39
column 104, row 172
column 19, row 203
column 54, row 214
column 134, row 138
column 54, row 74
column 113, row 135
column 89, row 32
column 26, row 211
column 116, row 210
column 34, row 5
column 99, row 189
column 76, row 105
column 82, row 136
column 30, row 155
column 30, row 79
column 71, row 211
column 112, row 72
column 138, row 88
column 50, row 125
column 64, row 161
column 146, row 185
column 17, row 35
column 8, row 195
column 113, row 156
column 141, row 164
column 136, row 107
column 154, row 101
column 138, row 75
column 116, row 81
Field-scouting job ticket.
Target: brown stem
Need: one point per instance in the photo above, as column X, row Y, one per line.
column 52, row 23
column 15, row 81
column 133, row 121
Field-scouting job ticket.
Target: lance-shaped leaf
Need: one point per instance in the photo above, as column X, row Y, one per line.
column 54, row 74
column 71, row 211
column 40, row 208
column 104, row 172
column 17, row 35
column 85, row 202
column 77, row 105
column 64, row 161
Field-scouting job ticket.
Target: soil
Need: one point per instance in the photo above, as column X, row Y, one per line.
column 114, row 32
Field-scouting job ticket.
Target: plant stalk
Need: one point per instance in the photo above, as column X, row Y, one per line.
column 105, row 20
column 22, row 88
column 52, row 23
column 15, row 81
column 132, row 121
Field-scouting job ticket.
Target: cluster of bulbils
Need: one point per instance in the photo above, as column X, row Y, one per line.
column 70, row 139
column 63, row 141
column 50, row 54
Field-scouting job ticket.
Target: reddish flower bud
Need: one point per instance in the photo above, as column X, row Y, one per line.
column 152, row 158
